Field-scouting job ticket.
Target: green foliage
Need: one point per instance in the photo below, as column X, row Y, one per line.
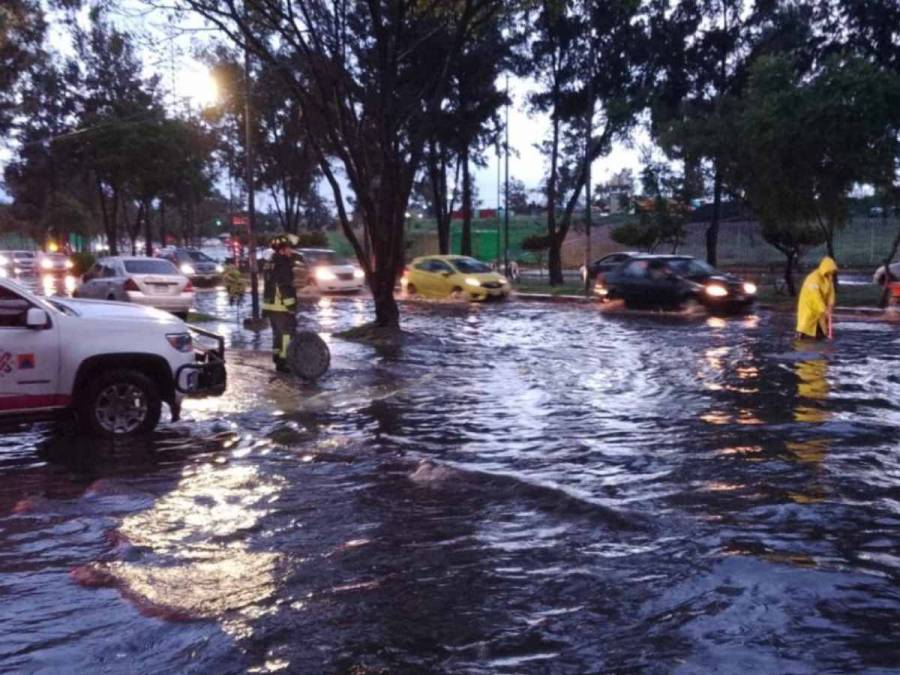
column 313, row 239
column 636, row 235
column 82, row 262
column 536, row 243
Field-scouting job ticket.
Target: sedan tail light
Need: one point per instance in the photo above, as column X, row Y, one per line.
column 188, row 287
column 131, row 285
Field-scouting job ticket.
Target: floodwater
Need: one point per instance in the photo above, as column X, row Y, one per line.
column 523, row 488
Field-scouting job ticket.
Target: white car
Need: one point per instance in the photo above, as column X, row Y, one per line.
column 331, row 274
column 153, row 282
column 112, row 364
column 878, row 277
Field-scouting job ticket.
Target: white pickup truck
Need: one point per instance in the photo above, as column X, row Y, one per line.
column 113, row 364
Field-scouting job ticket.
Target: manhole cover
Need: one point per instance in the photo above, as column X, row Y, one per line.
column 308, row 356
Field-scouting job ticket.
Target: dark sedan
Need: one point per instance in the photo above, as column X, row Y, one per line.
column 605, row 264
column 675, row 282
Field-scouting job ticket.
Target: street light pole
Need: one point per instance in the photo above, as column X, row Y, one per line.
column 588, row 134
column 251, row 205
column 506, row 195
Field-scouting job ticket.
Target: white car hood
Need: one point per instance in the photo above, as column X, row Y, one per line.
column 101, row 309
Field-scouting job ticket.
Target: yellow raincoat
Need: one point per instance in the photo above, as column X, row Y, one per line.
column 816, row 299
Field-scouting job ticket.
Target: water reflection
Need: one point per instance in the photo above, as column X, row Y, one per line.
column 514, row 482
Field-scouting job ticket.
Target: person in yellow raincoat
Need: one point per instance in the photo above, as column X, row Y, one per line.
column 816, row 300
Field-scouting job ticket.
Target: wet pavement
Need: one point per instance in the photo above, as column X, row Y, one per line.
column 521, row 488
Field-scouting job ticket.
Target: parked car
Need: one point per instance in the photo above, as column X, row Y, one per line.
column 605, row 264
column 879, row 276
column 144, row 281
column 443, row 276
column 112, row 364
column 196, row 265
column 673, row 281
column 329, row 273
column 17, row 263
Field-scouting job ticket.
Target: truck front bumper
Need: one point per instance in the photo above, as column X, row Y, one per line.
column 206, row 376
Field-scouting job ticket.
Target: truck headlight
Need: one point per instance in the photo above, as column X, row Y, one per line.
column 749, row 288
column 324, row 274
column 180, row 341
column 471, row 281
column 186, row 269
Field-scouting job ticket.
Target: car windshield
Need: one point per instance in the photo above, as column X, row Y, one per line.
column 23, row 255
column 470, row 266
column 321, row 257
column 689, row 267
column 199, row 256
column 150, row 267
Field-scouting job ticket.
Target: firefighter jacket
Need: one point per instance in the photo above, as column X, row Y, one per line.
column 279, row 294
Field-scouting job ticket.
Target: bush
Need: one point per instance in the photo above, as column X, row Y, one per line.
column 82, row 262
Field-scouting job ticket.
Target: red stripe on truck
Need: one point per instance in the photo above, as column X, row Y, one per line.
column 35, row 401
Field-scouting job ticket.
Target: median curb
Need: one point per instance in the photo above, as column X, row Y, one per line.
column 576, row 299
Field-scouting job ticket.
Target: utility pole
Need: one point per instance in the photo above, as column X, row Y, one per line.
column 506, row 195
column 254, row 322
column 589, row 132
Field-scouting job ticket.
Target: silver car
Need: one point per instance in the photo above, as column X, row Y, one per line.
column 146, row 281
column 17, row 263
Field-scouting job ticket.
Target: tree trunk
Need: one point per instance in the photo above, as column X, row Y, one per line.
column 465, row 247
column 554, row 261
column 789, row 273
column 148, row 235
column 162, row 222
column 712, row 231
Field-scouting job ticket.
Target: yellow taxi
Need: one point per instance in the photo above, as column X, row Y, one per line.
column 453, row 276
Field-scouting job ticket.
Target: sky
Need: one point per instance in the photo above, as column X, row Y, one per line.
column 168, row 52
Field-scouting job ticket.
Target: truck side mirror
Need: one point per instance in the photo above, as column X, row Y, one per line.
column 36, row 318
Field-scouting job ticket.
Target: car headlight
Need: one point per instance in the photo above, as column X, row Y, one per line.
column 324, row 274
column 359, row 274
column 471, row 281
column 46, row 264
column 601, row 290
column 716, row 291
column 2, row 273
column 186, row 269
column 749, row 288
column 69, row 264
column 4, row 260
column 503, row 280
column 219, row 269
column 180, row 341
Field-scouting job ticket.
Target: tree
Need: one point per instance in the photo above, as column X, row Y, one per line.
column 574, row 87
column 22, row 30
column 518, row 196
column 367, row 76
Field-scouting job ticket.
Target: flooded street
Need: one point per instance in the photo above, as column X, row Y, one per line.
column 521, row 488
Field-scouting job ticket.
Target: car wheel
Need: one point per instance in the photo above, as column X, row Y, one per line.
column 111, row 297
column 411, row 290
column 458, row 294
column 120, row 403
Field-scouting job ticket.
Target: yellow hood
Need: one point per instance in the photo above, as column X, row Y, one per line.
column 827, row 266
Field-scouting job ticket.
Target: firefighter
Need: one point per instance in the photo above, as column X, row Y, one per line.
column 280, row 299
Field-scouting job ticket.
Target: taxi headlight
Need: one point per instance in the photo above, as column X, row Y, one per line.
column 46, row 264
column 324, row 274
column 749, row 288
column 358, row 274
column 716, row 291
column 472, row 281
column 504, row 280
column 186, row 269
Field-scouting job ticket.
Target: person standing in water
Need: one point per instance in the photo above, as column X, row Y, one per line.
column 280, row 299
column 816, row 301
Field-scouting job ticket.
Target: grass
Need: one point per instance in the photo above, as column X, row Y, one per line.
column 847, row 296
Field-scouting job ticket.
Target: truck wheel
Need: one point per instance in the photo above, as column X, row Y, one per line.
column 120, row 403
